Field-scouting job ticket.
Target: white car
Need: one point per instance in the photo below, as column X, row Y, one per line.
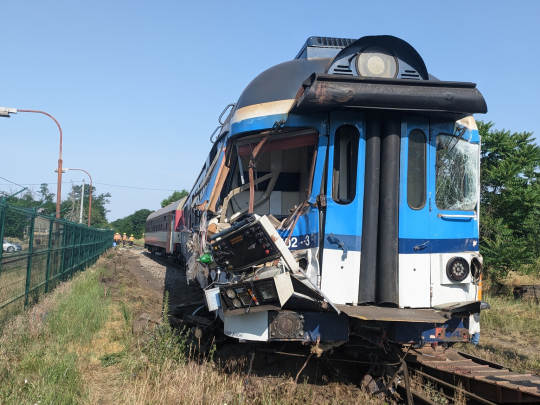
column 10, row 247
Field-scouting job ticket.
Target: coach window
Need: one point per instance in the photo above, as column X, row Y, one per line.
column 457, row 173
column 345, row 164
column 416, row 170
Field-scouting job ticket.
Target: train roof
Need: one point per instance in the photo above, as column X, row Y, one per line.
column 326, row 55
column 175, row 206
column 298, row 84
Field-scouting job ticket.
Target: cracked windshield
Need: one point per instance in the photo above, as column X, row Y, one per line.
column 457, row 174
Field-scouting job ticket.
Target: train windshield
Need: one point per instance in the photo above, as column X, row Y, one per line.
column 457, row 174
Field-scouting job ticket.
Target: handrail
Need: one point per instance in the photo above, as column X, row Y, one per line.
column 226, row 108
column 455, row 216
column 213, row 133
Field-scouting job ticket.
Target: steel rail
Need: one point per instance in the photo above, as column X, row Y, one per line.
column 451, row 386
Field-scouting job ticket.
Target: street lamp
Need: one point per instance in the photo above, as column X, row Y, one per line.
column 4, row 112
column 82, row 196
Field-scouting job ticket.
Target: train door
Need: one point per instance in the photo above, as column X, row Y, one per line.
column 414, row 214
column 169, row 229
column 454, row 196
column 344, row 203
column 170, row 233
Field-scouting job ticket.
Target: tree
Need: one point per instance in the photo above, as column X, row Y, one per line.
column 46, row 199
column 510, row 200
column 70, row 207
column 132, row 224
column 177, row 195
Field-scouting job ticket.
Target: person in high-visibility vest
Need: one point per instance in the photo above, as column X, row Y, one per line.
column 131, row 239
column 124, row 238
column 117, row 238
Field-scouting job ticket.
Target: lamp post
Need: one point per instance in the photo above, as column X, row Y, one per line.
column 90, row 199
column 4, row 112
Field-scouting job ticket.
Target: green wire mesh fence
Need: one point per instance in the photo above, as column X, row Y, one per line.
column 40, row 251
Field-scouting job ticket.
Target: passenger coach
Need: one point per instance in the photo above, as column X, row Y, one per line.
column 162, row 234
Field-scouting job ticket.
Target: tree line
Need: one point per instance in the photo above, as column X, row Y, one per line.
column 44, row 201
column 509, row 202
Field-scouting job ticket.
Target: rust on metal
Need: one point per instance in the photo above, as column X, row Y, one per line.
column 59, row 185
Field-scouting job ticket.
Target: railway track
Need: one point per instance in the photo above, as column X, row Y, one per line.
column 479, row 380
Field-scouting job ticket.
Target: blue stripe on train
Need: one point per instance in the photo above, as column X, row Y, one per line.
column 406, row 246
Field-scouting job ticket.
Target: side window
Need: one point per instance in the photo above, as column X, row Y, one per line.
column 345, row 164
column 416, row 170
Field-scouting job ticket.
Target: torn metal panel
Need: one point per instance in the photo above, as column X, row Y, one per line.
column 218, row 185
column 203, row 191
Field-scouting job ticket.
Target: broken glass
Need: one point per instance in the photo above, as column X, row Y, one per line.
column 457, row 174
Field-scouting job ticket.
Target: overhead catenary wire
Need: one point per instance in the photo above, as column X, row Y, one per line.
column 101, row 184
column 12, row 182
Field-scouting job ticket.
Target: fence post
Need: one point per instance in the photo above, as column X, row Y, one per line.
column 62, row 266
column 49, row 254
column 72, row 248
column 80, row 257
column 30, row 253
column 3, row 208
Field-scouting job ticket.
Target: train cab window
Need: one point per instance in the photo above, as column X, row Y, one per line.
column 285, row 162
column 345, row 164
column 416, row 170
column 457, row 173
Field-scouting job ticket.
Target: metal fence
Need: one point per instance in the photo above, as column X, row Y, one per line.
column 40, row 251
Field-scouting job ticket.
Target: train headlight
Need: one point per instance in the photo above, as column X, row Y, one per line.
column 376, row 62
column 230, row 293
column 457, row 269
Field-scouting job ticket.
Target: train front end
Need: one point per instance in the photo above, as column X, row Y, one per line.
column 344, row 190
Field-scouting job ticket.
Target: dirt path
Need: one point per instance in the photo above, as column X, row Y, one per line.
column 156, row 275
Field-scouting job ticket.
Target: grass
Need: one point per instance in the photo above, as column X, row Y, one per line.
column 76, row 347
column 41, row 350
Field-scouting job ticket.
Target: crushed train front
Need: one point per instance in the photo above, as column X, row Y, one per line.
column 340, row 198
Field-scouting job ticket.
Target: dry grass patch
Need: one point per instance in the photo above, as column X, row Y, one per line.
column 510, row 334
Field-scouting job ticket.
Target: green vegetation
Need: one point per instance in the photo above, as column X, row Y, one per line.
column 132, row 224
column 41, row 352
column 177, row 195
column 510, row 201
column 45, row 201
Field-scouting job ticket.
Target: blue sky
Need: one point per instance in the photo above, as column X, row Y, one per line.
column 137, row 85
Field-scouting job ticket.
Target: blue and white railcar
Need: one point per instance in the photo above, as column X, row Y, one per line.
column 368, row 167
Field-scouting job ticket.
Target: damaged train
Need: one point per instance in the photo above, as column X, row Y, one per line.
column 340, row 198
